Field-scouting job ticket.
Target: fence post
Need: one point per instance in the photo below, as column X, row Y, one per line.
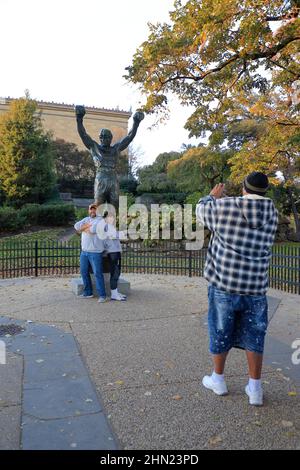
column 190, row 263
column 298, row 278
column 36, row 258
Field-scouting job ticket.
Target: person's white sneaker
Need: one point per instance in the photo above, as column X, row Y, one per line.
column 255, row 398
column 219, row 388
column 82, row 296
column 101, row 300
column 118, row 296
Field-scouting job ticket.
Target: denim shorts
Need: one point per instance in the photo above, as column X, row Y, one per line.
column 236, row 321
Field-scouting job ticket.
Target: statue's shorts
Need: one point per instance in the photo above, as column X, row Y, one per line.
column 106, row 188
column 235, row 320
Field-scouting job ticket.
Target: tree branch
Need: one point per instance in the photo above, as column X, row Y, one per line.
column 268, row 53
column 284, row 68
column 295, row 124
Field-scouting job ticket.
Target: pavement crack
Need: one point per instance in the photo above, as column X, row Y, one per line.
column 28, row 415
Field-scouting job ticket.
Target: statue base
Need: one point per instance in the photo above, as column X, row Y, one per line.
column 123, row 285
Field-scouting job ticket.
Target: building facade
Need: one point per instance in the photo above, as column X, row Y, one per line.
column 59, row 118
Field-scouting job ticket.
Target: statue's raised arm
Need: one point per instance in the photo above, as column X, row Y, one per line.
column 137, row 118
column 86, row 139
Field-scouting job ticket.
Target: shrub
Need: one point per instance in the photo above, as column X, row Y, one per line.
column 56, row 214
column 30, row 212
column 193, row 198
column 80, row 213
column 128, row 184
column 10, row 219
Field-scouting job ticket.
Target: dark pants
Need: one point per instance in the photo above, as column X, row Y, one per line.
column 115, row 269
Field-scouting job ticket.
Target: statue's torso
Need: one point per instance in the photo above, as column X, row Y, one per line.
column 105, row 159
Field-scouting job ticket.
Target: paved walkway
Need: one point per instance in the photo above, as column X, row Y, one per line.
column 69, row 233
column 145, row 359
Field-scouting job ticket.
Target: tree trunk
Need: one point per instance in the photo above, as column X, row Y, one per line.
column 295, row 214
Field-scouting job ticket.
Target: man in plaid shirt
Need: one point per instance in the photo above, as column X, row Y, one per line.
column 243, row 231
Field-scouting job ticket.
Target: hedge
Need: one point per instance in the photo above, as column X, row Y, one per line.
column 11, row 219
column 48, row 215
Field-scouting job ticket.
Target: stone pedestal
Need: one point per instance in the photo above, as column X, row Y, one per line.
column 123, row 285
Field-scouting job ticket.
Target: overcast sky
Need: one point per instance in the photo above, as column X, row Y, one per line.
column 76, row 51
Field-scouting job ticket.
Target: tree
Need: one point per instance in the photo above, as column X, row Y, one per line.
column 275, row 147
column 200, row 169
column 154, row 178
column 72, row 163
column 26, row 154
column 135, row 154
column 214, row 52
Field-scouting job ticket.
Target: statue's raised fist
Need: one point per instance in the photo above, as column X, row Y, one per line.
column 138, row 116
column 80, row 111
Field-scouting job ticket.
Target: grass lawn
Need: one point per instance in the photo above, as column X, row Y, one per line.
column 31, row 236
column 74, row 238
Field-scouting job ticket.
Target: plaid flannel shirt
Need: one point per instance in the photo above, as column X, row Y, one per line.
column 243, row 231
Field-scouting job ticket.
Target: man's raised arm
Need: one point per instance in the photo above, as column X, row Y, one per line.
column 137, row 118
column 206, row 209
column 86, row 139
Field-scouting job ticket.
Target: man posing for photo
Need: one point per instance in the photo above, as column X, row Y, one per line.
column 91, row 255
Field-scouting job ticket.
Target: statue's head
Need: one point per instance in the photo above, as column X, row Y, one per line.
column 105, row 137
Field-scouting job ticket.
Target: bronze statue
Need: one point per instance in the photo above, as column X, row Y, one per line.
column 105, row 157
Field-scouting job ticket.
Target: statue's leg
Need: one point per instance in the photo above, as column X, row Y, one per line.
column 100, row 191
column 114, row 195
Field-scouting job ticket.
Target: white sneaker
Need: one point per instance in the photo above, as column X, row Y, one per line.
column 219, row 388
column 82, row 296
column 119, row 297
column 255, row 398
column 101, row 300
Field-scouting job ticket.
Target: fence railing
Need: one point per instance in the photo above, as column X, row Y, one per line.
column 44, row 258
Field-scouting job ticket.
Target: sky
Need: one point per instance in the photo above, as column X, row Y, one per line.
column 75, row 52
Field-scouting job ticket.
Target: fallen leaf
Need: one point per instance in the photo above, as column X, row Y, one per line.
column 176, row 397
column 215, row 440
column 119, row 382
column 287, row 424
column 292, row 394
column 170, row 364
column 39, row 361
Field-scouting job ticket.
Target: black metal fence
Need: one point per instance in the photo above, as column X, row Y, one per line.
column 44, row 258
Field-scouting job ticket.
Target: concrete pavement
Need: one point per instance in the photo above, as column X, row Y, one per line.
column 146, row 358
